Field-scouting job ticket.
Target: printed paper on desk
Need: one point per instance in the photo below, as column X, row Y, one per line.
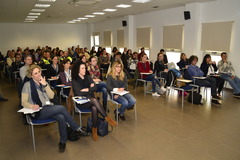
column 28, row 110
column 81, row 100
column 121, row 93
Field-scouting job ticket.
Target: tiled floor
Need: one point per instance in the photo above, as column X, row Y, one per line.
column 163, row 131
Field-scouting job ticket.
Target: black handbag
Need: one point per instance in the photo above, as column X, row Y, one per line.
column 197, row 98
column 102, row 126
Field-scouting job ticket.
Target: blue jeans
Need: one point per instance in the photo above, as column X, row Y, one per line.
column 155, row 81
column 234, row 83
column 126, row 101
column 102, row 87
column 60, row 114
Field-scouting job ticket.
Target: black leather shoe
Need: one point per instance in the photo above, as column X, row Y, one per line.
column 61, row 146
column 122, row 117
column 3, row 99
column 83, row 132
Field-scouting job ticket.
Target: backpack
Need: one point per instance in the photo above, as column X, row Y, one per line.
column 196, row 98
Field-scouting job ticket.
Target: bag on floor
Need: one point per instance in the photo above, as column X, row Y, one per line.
column 102, row 126
column 72, row 135
column 197, row 98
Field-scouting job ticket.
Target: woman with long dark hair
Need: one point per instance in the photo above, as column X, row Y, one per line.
column 83, row 85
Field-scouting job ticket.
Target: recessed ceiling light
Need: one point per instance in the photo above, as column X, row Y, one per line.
column 123, row 6
column 38, row 10
column 34, row 14
column 47, row 0
column 89, row 16
column 42, row 5
column 141, row 1
column 82, row 18
column 29, row 19
column 99, row 13
column 110, row 10
column 76, row 20
column 70, row 22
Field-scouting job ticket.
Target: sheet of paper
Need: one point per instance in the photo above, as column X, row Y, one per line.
column 121, row 93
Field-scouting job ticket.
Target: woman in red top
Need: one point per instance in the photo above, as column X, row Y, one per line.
column 144, row 67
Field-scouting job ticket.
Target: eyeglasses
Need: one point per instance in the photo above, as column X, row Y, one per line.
column 118, row 66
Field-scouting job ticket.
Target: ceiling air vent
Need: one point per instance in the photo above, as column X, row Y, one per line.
column 84, row 2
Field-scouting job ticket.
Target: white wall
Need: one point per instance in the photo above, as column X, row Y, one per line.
column 215, row 11
column 25, row 35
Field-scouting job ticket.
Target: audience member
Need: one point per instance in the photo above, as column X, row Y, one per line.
column 117, row 81
column 83, row 85
column 36, row 93
column 227, row 73
column 144, row 67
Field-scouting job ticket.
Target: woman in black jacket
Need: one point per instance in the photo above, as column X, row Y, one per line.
column 183, row 63
column 83, row 85
column 209, row 68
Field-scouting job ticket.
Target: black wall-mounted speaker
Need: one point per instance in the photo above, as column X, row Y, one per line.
column 124, row 23
column 187, row 15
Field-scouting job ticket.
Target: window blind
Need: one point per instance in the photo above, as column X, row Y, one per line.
column 216, row 36
column 143, row 37
column 173, row 37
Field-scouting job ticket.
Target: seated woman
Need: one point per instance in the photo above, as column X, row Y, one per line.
column 209, row 67
column 160, row 67
column 117, row 81
column 195, row 71
column 95, row 74
column 144, row 67
column 37, row 93
column 65, row 74
column 83, row 85
column 183, row 63
column 53, row 71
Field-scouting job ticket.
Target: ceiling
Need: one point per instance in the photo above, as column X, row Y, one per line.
column 62, row 11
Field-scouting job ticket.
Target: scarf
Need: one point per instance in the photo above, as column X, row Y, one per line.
column 34, row 93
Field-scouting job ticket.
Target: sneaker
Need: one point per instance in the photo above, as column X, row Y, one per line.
column 216, row 97
column 82, row 132
column 163, row 89
column 237, row 95
column 216, row 102
column 155, row 94
column 61, row 146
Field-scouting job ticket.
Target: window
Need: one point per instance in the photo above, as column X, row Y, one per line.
column 143, row 39
column 147, row 51
column 95, row 39
column 173, row 57
column 121, row 50
column 109, row 50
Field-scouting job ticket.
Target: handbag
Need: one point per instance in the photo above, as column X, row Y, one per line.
column 102, row 126
column 197, row 98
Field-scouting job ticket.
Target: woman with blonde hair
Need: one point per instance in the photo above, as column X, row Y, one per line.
column 117, row 81
column 37, row 93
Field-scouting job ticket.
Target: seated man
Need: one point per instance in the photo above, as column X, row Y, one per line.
column 227, row 73
column 23, row 69
column 195, row 71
